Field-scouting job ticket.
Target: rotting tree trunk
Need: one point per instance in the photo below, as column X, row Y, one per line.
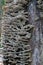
column 19, row 35
column 37, row 34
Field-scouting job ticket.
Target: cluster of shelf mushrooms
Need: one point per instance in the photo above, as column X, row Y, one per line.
column 17, row 33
